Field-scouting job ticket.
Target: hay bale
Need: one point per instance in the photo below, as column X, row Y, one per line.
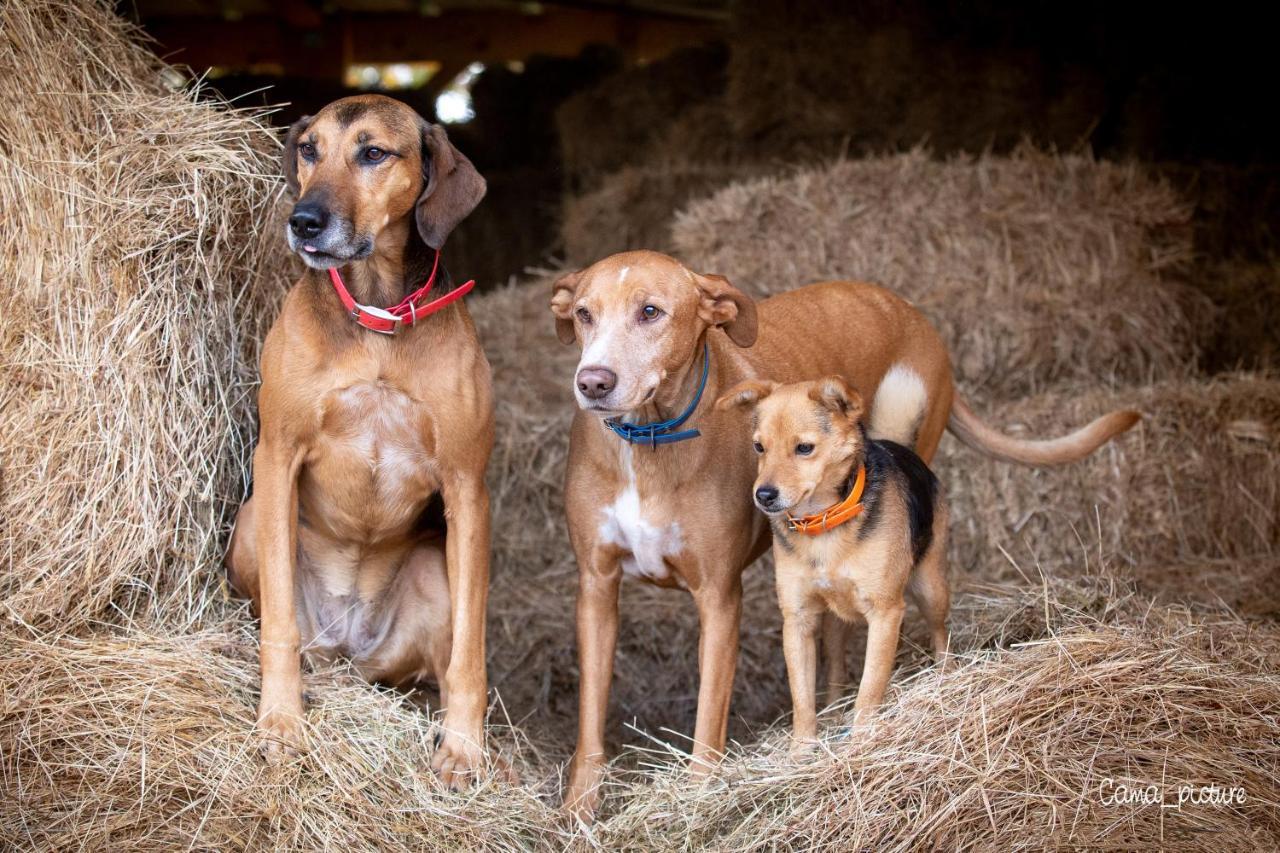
column 1014, row 750
column 1249, row 585
column 141, row 741
column 146, row 742
column 1247, row 293
column 1037, row 269
column 1197, row 481
column 134, row 294
column 808, row 77
column 634, row 208
column 609, row 126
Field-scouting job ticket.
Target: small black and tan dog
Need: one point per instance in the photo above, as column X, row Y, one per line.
column 858, row 523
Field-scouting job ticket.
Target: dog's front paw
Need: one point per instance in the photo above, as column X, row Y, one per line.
column 803, row 747
column 280, row 729
column 582, row 797
column 458, row 761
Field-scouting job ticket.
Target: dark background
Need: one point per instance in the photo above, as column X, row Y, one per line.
column 572, row 92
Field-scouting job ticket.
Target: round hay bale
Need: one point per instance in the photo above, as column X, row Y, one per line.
column 1197, row 481
column 609, row 126
column 133, row 294
column 1037, row 269
column 633, row 208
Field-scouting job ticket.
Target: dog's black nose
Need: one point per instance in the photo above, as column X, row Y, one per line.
column 766, row 495
column 596, row 382
column 308, row 220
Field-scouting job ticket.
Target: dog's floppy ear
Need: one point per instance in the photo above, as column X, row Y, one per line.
column 289, row 157
column 835, row 394
column 563, row 291
column 725, row 306
column 451, row 190
column 746, row 393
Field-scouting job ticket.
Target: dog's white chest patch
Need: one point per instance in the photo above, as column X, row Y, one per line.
column 623, row 523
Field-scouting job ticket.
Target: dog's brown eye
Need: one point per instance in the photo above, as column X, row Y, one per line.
column 375, row 155
column 759, row 447
column 803, row 449
column 650, row 312
column 584, row 315
column 307, row 150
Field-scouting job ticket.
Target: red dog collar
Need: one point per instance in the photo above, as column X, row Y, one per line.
column 406, row 312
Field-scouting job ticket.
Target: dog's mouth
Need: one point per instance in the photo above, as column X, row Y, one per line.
column 613, row 409
column 330, row 249
column 602, row 411
column 314, row 256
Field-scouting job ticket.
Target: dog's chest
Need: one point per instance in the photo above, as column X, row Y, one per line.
column 641, row 527
column 846, row 575
column 372, row 459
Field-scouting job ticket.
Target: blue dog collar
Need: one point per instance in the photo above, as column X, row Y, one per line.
column 662, row 432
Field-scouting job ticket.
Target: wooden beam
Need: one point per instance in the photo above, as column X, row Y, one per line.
column 454, row 38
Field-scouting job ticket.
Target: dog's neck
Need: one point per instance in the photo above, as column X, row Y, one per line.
column 400, row 264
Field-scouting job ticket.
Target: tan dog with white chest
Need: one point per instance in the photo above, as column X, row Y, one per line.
column 858, row 523
column 339, row 547
column 658, row 483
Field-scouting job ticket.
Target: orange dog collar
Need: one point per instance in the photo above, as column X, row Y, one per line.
column 832, row 516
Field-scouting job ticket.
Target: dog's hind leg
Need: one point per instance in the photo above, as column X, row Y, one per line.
column 241, row 561
column 930, row 589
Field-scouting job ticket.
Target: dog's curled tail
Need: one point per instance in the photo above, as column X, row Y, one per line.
column 969, row 428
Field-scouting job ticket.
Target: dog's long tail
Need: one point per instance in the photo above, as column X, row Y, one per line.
column 969, row 428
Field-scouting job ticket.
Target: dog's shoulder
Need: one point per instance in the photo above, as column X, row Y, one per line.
column 891, row 463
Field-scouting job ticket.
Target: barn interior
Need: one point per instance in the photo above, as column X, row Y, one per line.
column 575, row 107
column 1084, row 200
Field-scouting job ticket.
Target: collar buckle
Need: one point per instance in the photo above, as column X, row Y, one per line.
column 379, row 313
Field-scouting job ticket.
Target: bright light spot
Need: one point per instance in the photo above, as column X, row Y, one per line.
column 400, row 75
column 390, row 76
column 454, row 107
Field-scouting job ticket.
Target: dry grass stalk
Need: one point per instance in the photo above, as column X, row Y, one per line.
column 134, row 298
column 1036, row 268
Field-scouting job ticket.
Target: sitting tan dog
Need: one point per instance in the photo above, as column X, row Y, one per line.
column 369, row 413
column 657, row 481
column 857, row 523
